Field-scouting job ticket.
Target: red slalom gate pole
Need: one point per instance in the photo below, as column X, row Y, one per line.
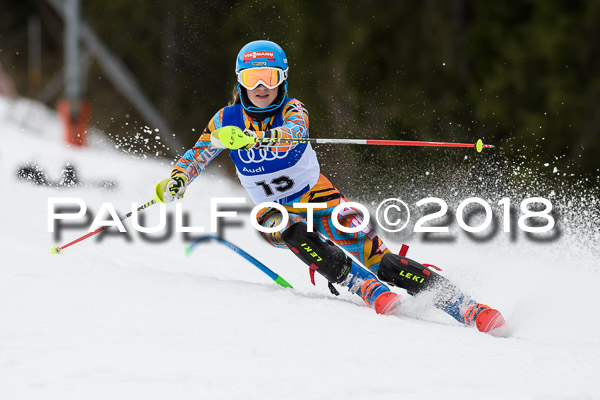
column 58, row 249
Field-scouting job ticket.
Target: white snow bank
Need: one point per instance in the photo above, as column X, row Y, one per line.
column 131, row 320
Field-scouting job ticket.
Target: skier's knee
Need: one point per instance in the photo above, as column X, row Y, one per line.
column 269, row 218
column 319, row 254
column 351, row 218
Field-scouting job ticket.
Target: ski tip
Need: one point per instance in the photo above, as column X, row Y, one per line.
column 55, row 249
column 387, row 303
column 491, row 321
column 188, row 250
column 479, row 145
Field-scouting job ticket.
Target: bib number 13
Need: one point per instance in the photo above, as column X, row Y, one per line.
column 280, row 184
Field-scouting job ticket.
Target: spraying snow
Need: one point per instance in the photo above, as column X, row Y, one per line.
column 129, row 318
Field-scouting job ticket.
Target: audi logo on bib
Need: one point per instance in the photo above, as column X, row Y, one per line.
column 254, row 156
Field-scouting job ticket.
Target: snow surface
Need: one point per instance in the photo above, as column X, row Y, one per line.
column 137, row 320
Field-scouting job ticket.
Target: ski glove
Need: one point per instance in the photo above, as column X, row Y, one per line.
column 171, row 189
column 232, row 137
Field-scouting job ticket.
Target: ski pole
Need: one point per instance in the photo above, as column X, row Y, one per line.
column 478, row 145
column 277, row 278
column 58, row 249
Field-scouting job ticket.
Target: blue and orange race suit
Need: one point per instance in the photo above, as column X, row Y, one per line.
column 286, row 174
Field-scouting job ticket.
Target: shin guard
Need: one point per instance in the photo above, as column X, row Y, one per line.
column 319, row 254
column 415, row 278
column 325, row 257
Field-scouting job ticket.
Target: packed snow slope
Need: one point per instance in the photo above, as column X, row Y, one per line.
column 119, row 319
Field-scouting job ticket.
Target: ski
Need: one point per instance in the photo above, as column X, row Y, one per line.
column 494, row 323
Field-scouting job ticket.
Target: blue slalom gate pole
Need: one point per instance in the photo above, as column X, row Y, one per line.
column 277, row 278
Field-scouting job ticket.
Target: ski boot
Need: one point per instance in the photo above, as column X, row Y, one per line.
column 415, row 278
column 323, row 256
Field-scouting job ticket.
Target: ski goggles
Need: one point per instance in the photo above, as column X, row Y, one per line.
column 269, row 77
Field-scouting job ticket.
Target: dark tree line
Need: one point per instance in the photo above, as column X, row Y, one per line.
column 524, row 74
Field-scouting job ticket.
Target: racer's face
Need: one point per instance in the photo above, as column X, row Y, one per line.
column 261, row 96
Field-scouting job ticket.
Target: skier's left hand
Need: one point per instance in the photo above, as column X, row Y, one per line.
column 232, row 137
column 171, row 189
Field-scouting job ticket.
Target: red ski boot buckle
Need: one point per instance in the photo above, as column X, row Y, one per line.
column 403, row 250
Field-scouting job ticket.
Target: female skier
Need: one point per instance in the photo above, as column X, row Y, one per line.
column 287, row 173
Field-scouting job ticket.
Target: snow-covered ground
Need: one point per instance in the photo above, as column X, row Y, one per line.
column 114, row 319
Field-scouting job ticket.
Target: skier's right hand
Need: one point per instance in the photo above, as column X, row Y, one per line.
column 232, row 137
column 171, row 189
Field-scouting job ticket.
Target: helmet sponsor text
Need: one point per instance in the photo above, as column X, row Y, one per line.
column 270, row 55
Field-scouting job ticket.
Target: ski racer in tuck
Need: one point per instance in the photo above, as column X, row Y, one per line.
column 287, row 173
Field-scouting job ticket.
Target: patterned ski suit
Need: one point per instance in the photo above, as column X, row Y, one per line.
column 285, row 174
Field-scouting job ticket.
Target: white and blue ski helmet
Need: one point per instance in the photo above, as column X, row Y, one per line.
column 263, row 54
